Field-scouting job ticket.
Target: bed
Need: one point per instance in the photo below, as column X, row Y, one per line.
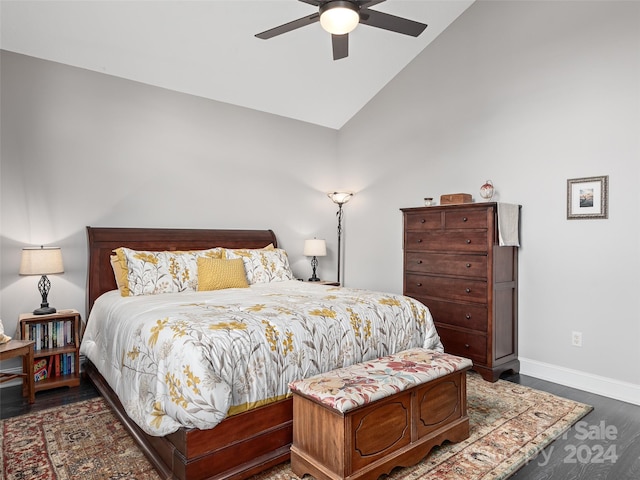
column 243, row 441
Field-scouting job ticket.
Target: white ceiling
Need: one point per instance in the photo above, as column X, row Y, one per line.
column 208, row 48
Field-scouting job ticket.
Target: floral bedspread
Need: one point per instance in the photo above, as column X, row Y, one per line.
column 192, row 358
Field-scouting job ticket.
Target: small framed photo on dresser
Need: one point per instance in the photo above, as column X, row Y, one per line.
column 588, row 198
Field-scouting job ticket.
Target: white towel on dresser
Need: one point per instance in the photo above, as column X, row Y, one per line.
column 508, row 221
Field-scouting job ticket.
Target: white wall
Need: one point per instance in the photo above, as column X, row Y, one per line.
column 81, row 148
column 527, row 94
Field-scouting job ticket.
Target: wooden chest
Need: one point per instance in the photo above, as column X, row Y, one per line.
column 372, row 439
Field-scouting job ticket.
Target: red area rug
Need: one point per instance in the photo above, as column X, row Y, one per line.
column 510, row 424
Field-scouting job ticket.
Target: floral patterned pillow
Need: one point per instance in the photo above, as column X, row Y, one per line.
column 151, row 273
column 263, row 265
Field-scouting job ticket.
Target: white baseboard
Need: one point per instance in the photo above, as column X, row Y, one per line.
column 607, row 387
column 15, row 381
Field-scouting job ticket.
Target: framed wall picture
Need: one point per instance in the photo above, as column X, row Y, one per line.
column 587, row 198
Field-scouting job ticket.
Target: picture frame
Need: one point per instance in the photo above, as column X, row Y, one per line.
column 588, row 198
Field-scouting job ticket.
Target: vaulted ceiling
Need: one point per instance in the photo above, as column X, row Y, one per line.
column 208, row 48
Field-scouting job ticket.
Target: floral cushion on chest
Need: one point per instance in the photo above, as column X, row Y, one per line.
column 350, row 387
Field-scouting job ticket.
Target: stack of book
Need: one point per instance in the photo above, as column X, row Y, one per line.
column 51, row 334
column 54, row 366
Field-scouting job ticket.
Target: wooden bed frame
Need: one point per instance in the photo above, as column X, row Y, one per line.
column 241, row 445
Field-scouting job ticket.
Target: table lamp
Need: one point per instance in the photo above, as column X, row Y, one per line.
column 42, row 261
column 315, row 248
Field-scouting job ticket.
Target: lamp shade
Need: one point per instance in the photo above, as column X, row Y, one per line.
column 315, row 248
column 339, row 17
column 41, row 261
column 340, row 197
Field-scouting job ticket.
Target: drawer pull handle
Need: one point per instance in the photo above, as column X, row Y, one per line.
column 422, row 220
column 466, row 345
column 419, row 262
column 468, row 265
column 468, row 241
column 468, row 290
column 464, row 219
column 419, row 240
column 468, row 316
column 419, row 284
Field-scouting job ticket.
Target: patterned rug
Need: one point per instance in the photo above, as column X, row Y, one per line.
column 510, row 425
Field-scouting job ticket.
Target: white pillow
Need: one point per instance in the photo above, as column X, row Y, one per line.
column 151, row 273
column 263, row 265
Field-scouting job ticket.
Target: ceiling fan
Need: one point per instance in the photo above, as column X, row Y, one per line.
column 339, row 17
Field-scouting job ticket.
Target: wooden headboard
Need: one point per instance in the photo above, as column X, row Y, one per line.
column 102, row 242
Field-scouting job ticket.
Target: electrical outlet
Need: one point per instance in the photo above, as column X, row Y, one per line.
column 576, row 339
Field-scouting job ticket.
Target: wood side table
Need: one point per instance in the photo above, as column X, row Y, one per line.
column 57, row 340
column 24, row 349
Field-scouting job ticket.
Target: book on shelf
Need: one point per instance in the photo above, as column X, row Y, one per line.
column 47, row 335
column 50, row 362
column 54, row 366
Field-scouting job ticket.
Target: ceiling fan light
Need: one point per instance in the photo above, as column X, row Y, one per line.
column 339, row 17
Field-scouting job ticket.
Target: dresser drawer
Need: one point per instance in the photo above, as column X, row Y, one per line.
column 447, row 264
column 464, row 344
column 473, row 317
column 426, row 220
column 446, row 288
column 451, row 241
column 455, row 219
column 454, row 265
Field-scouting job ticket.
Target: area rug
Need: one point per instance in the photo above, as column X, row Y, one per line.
column 510, row 425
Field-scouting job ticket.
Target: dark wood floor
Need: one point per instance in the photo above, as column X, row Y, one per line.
column 13, row 404
column 604, row 445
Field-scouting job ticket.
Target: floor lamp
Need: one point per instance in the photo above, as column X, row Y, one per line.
column 339, row 198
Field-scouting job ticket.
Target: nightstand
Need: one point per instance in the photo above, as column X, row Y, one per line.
column 325, row 282
column 24, row 349
column 56, row 356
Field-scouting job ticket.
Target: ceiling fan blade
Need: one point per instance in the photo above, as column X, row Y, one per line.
column 340, row 45
column 315, row 3
column 287, row 27
column 392, row 23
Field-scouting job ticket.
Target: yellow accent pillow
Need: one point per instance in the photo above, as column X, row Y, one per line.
column 219, row 273
column 119, row 265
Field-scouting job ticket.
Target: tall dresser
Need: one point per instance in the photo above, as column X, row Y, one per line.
column 454, row 265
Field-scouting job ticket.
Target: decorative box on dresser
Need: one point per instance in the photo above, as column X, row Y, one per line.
column 455, row 266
